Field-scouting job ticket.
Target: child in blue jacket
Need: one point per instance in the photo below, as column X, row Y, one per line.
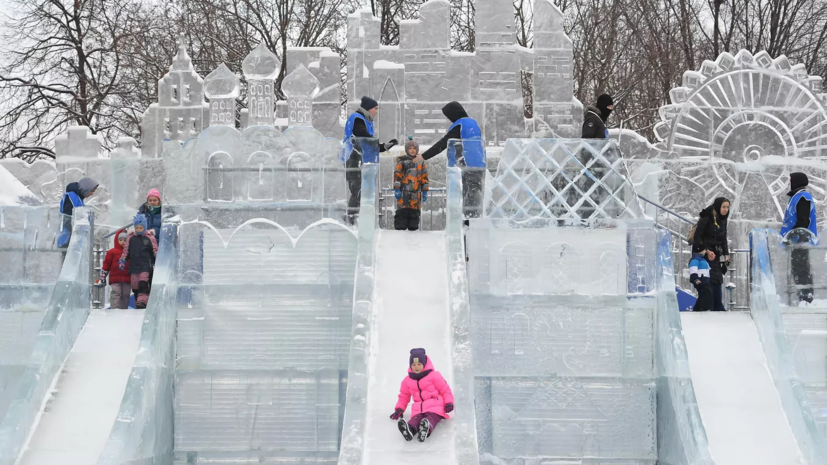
column 699, row 276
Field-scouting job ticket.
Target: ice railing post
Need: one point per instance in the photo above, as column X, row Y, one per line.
column 353, row 427
column 766, row 312
column 137, row 432
column 465, row 424
column 68, row 308
column 681, row 434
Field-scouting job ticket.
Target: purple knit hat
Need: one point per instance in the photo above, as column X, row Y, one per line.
column 419, row 355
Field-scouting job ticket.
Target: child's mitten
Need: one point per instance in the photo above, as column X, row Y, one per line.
column 397, row 414
column 104, row 274
column 449, row 407
column 122, row 264
column 397, row 193
column 424, row 196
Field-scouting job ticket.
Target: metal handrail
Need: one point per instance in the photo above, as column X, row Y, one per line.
column 683, row 218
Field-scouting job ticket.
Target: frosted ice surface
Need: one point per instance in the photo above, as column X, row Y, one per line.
column 13, row 192
column 738, row 401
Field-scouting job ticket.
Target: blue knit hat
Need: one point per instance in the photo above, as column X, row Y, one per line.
column 418, row 354
column 139, row 220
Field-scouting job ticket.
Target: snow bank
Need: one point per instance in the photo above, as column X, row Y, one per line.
column 13, row 192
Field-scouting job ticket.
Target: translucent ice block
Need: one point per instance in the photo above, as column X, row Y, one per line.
column 766, row 313
column 65, row 315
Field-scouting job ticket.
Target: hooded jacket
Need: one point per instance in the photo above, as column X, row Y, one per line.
column 430, row 392
column 801, row 218
column 593, row 125
column 139, row 252
column 110, row 262
column 82, row 188
column 711, row 234
column 453, row 111
column 153, row 220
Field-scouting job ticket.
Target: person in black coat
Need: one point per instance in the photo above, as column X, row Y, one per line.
column 595, row 117
column 711, row 235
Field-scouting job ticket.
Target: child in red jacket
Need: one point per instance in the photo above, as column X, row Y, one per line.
column 433, row 399
column 118, row 280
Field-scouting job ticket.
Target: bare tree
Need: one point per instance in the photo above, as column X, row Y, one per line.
column 65, row 64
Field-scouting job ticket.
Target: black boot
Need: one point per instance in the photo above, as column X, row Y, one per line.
column 404, row 429
column 424, row 430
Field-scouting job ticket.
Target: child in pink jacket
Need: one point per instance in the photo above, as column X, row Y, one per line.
column 433, row 399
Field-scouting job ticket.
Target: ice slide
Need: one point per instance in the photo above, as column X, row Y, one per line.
column 412, row 309
column 739, row 404
column 75, row 422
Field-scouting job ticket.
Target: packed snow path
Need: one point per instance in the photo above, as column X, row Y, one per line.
column 77, row 419
column 737, row 398
column 411, row 310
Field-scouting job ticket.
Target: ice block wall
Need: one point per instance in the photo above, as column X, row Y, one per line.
column 31, row 266
column 563, row 360
column 262, row 340
column 64, row 316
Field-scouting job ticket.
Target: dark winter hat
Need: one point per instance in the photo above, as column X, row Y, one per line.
column 798, row 181
column 603, row 104
column 604, row 101
column 716, row 205
column 140, row 220
column 368, row 103
column 411, row 143
column 418, row 355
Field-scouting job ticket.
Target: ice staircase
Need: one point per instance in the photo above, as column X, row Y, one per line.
column 739, row 403
column 76, row 420
column 412, row 309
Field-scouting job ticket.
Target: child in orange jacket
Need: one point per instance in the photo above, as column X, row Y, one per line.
column 410, row 187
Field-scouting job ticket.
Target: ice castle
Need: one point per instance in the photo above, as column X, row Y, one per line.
column 277, row 333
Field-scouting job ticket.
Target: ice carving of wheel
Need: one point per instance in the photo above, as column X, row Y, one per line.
column 740, row 112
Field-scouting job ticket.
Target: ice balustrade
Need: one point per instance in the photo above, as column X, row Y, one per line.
column 681, row 434
column 572, row 180
column 142, row 432
column 795, row 394
column 805, row 324
column 355, row 415
column 31, row 266
column 65, row 314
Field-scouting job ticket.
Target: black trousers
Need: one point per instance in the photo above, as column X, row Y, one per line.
column 354, row 184
column 406, row 218
column 800, row 268
column 472, row 184
column 704, row 302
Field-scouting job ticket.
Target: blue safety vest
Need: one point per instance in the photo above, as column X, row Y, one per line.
column 791, row 216
column 473, row 148
column 65, row 233
column 370, row 153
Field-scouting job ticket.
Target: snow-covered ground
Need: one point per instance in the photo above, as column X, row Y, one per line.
column 77, row 419
column 13, row 192
column 739, row 404
column 411, row 297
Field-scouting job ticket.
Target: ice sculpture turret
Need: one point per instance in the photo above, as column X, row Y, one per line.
column 221, row 87
column 300, row 86
column 180, row 112
column 260, row 69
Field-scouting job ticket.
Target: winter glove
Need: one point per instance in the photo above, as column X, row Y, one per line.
column 397, row 193
column 424, row 196
column 397, row 414
column 122, row 264
column 449, row 407
column 391, row 143
column 104, row 274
